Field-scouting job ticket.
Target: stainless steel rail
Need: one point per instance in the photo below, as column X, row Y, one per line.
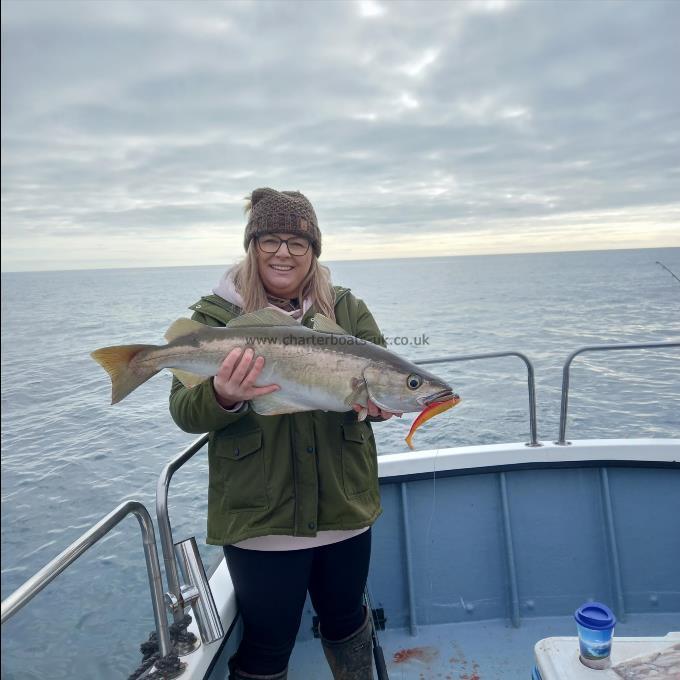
column 530, row 380
column 593, row 348
column 163, row 518
column 26, row 592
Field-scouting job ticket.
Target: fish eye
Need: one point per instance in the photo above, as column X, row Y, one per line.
column 414, row 381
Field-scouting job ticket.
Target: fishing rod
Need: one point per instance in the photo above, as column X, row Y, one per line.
column 378, row 655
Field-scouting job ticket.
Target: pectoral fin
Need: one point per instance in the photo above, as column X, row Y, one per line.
column 372, row 375
column 359, row 393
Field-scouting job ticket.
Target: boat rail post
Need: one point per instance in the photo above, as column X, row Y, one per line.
column 175, row 600
column 564, row 403
column 196, row 593
column 531, row 382
column 30, row 588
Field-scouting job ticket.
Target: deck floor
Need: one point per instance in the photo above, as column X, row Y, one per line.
column 487, row 650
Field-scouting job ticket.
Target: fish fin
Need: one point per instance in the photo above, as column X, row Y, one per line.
column 322, row 324
column 118, row 363
column 373, row 373
column 362, row 414
column 188, row 379
column 182, row 327
column 359, row 394
column 263, row 317
column 275, row 404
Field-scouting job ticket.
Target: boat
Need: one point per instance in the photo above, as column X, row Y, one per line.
column 479, row 560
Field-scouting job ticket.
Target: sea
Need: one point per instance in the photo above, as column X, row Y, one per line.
column 69, row 457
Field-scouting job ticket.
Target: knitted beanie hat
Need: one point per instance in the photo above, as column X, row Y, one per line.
column 287, row 212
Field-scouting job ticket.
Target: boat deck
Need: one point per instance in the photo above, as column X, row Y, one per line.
column 485, row 650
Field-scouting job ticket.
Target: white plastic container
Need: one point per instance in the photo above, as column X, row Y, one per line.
column 557, row 658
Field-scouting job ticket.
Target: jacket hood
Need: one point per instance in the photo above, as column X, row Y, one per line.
column 226, row 289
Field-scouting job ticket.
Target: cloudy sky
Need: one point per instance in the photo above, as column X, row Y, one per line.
column 131, row 131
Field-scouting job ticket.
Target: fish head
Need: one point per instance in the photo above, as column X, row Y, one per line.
column 403, row 387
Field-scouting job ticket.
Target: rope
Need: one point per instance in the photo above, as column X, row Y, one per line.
column 167, row 666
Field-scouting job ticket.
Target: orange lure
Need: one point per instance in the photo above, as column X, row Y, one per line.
column 428, row 412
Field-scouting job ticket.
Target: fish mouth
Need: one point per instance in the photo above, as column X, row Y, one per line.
column 438, row 397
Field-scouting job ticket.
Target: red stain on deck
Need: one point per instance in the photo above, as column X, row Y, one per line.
column 423, row 654
column 475, row 675
column 464, row 673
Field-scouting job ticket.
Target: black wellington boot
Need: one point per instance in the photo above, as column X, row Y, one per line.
column 351, row 658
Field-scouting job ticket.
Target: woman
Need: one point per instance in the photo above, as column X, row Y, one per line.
column 292, row 497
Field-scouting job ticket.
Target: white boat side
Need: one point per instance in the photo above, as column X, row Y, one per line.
column 591, row 451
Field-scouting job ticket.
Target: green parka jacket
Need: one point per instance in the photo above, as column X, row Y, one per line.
column 292, row 474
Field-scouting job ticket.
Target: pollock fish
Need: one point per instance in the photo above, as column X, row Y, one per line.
column 316, row 368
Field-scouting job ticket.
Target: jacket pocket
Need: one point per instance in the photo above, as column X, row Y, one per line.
column 242, row 468
column 358, row 466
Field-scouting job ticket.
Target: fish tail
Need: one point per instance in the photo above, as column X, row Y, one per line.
column 125, row 373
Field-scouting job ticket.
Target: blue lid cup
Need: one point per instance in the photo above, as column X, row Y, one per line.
column 595, row 623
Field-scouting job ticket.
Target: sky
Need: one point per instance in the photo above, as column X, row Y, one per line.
column 132, row 131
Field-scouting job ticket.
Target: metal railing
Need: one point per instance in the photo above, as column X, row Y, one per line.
column 495, row 355
column 28, row 590
column 42, row 578
column 593, row 348
column 196, row 592
column 163, row 518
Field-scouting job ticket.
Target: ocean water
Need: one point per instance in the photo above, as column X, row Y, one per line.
column 68, row 457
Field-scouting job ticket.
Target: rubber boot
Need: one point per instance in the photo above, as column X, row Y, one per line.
column 351, row 658
column 238, row 674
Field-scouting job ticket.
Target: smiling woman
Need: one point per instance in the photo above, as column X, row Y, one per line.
column 271, row 273
column 291, row 498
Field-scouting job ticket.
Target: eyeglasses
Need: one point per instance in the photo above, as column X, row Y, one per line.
column 296, row 245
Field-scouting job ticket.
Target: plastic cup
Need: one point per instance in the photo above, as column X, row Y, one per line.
column 595, row 623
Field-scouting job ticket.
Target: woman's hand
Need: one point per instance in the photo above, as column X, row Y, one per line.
column 374, row 410
column 235, row 380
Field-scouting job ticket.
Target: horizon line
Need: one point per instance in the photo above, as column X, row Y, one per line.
column 361, row 259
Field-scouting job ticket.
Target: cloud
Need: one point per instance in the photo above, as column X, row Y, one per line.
column 138, row 120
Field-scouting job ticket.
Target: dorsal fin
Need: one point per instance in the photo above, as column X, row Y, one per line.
column 323, row 324
column 182, row 327
column 263, row 317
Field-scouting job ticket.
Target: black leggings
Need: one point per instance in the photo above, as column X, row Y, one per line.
column 271, row 587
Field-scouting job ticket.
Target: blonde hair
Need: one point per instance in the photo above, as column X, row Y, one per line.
column 315, row 287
